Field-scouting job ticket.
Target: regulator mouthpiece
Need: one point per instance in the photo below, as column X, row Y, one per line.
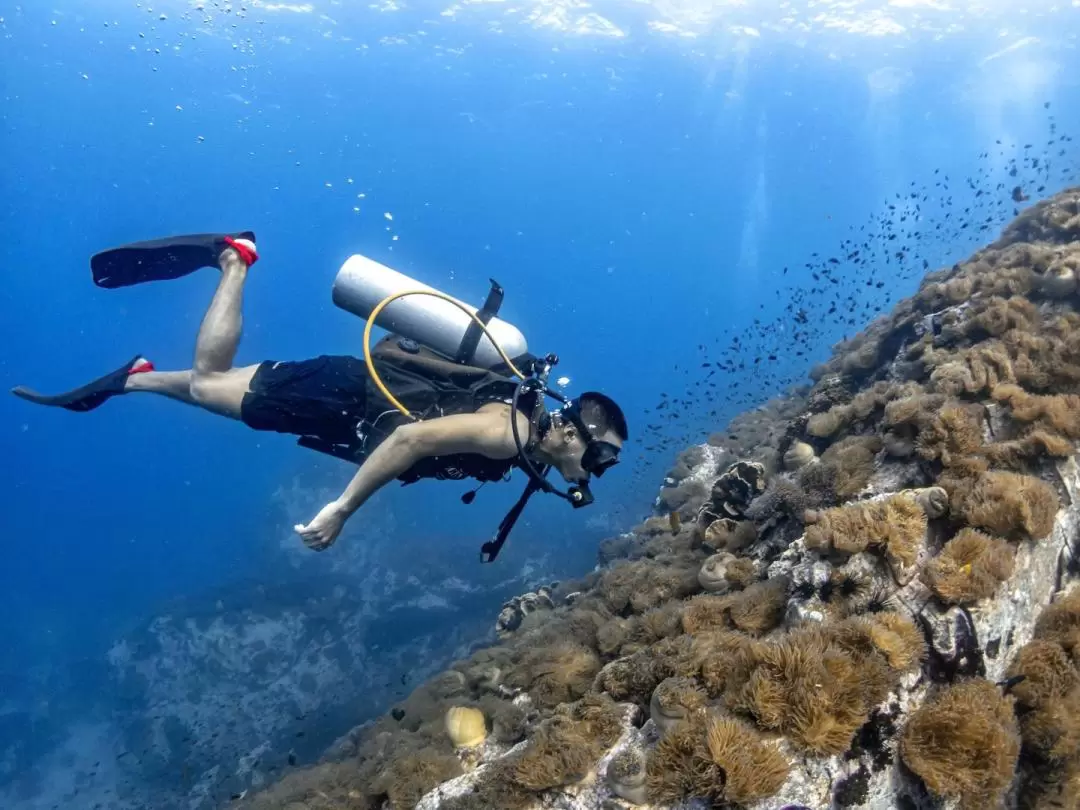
column 580, row 495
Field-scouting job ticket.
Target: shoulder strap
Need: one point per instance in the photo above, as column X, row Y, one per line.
column 471, row 339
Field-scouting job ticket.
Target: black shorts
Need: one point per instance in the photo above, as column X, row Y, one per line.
column 323, row 397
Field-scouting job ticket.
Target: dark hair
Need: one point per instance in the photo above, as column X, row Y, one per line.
column 602, row 410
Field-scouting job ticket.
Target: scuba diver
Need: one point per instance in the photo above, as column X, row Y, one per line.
column 430, row 404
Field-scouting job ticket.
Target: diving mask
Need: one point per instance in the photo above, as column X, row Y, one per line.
column 599, row 456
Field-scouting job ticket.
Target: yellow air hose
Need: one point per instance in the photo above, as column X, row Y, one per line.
column 389, row 300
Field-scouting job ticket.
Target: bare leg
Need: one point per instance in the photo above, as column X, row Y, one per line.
column 177, row 385
column 215, row 385
column 172, row 384
column 219, row 335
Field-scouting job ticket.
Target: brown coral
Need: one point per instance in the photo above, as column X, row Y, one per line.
column 658, row 623
column 324, row 787
column 1010, row 505
column 861, row 406
column 673, row 701
column 974, row 370
column 968, row 332
column 630, row 679
column 751, row 770
column 716, row 758
column 559, row 673
column 1060, row 623
column 707, row 612
column 963, row 742
column 1046, row 685
column 1047, row 674
column 898, row 639
column 995, row 316
column 895, row 525
column 760, row 607
column 937, row 429
column 557, row 754
column 726, row 658
column 969, row 568
column 849, row 463
column 740, row 572
column 597, row 717
column 644, row 584
column 613, row 635
column 812, row 685
column 1032, row 446
column 1059, row 413
column 686, row 497
column 563, row 750
column 713, row 574
column 951, row 436
column 408, row 778
column 673, row 769
column 1052, row 731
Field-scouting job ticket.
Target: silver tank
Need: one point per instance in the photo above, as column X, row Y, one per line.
column 362, row 283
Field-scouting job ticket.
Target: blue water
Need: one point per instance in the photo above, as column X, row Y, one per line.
column 639, row 196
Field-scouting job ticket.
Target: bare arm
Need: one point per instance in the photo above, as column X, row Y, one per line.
column 482, row 433
column 486, row 433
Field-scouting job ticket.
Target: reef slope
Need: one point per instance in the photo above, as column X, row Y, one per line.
column 863, row 595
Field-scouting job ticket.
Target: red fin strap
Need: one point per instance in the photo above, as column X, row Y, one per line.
column 141, row 368
column 247, row 254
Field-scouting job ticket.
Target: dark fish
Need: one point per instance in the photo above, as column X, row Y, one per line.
column 1009, row 683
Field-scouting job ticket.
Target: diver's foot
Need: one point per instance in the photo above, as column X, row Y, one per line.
column 94, row 393
column 239, row 255
column 140, row 366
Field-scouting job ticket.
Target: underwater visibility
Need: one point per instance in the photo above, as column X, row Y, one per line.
column 497, row 405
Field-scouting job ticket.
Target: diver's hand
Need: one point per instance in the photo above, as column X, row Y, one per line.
column 324, row 528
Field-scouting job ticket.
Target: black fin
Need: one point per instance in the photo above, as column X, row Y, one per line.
column 159, row 259
column 84, row 398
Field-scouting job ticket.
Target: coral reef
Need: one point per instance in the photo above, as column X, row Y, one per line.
column 1044, row 678
column 969, row 568
column 1008, row 504
column 716, row 758
column 894, row 526
column 964, row 743
column 858, row 595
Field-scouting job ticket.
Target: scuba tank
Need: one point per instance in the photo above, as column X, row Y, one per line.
column 362, row 283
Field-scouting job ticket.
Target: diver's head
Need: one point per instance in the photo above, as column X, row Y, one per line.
column 583, row 438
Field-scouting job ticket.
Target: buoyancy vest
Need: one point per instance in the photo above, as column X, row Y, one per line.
column 429, row 386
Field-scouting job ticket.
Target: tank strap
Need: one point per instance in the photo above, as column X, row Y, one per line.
column 471, row 339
